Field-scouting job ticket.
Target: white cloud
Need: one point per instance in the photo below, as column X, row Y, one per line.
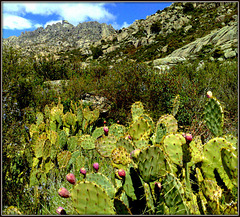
column 118, row 26
column 72, row 12
column 15, row 22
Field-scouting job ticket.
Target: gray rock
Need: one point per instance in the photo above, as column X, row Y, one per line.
column 229, row 53
column 97, row 102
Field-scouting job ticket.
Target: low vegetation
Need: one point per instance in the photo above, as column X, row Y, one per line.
column 25, row 94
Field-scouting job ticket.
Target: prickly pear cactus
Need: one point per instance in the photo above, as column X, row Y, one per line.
column 213, row 193
column 230, row 164
column 173, row 147
column 126, row 143
column 152, row 163
column 175, row 105
column 212, row 161
column 117, row 130
column 140, row 128
column 170, row 123
column 161, row 131
column 137, row 110
column 213, row 116
column 173, row 194
column 63, row 158
column 120, row 157
column 102, row 181
column 90, row 199
column 69, row 120
column 87, row 142
column 105, row 145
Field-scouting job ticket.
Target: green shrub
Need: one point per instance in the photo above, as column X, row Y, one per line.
column 155, row 27
column 188, row 8
column 96, row 52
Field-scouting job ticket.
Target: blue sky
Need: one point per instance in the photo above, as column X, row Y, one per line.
column 24, row 16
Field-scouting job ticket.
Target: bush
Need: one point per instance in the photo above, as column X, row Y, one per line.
column 155, row 27
column 188, row 8
column 96, row 52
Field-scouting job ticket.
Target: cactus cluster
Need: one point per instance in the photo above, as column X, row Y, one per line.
column 58, row 138
column 156, row 168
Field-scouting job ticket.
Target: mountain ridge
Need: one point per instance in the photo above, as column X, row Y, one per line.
column 155, row 37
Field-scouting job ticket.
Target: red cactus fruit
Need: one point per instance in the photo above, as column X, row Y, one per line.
column 63, row 192
column 71, row 178
column 96, row 166
column 118, row 121
column 105, row 129
column 83, row 171
column 61, row 211
column 209, row 94
column 188, row 137
column 104, row 122
column 121, row 173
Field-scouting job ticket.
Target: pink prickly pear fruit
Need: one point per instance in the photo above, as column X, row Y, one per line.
column 104, row 122
column 96, row 166
column 71, row 178
column 129, row 137
column 83, row 171
column 121, row 173
column 105, row 129
column 63, row 192
column 61, row 211
column 118, row 121
column 209, row 94
column 188, row 137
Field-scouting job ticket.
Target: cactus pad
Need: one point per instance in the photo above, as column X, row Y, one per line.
column 152, row 163
column 105, row 144
column 137, row 110
column 38, row 149
column 46, row 149
column 121, row 207
column 174, row 195
column 72, row 143
column 63, row 158
column 170, row 122
column 141, row 143
column 173, row 147
column 103, row 182
column 126, row 143
column 230, row 164
column 196, row 148
column 39, row 117
column 139, row 128
column 212, row 160
column 175, row 105
column 90, row 199
column 97, row 132
column 87, row 142
column 161, row 131
column 69, row 119
column 120, row 157
column 213, row 116
column 117, row 130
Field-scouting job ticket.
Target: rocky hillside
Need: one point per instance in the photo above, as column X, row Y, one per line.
column 179, row 32
column 60, row 37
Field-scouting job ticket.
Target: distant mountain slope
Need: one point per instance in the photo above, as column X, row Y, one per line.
column 182, row 29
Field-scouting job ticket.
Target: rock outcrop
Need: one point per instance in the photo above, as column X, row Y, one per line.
column 154, row 37
column 225, row 39
column 60, row 36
